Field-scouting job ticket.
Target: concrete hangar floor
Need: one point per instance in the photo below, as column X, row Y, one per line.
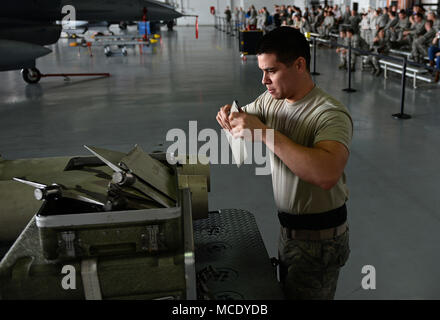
column 394, row 207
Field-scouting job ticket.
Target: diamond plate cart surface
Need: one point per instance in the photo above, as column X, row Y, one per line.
column 231, row 258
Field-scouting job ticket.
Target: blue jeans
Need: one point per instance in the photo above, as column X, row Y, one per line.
column 431, row 54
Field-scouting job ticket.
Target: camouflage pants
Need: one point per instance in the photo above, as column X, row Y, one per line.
column 419, row 50
column 310, row 269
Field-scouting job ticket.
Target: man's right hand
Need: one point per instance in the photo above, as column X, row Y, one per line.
column 223, row 115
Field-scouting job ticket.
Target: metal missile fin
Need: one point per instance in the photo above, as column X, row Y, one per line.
column 107, row 162
column 31, row 183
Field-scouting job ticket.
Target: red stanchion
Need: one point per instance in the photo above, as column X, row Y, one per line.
column 197, row 27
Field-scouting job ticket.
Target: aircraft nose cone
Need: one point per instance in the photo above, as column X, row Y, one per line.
column 15, row 53
column 15, row 49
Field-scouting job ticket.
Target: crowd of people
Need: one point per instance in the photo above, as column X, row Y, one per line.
column 377, row 30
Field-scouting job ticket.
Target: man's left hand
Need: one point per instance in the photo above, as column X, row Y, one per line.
column 242, row 122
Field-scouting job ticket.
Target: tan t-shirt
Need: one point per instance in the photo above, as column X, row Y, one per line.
column 316, row 117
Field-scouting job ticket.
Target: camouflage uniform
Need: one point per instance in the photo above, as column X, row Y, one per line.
column 436, row 24
column 317, row 21
column 397, row 31
column 357, row 43
column 327, row 25
column 354, row 22
column 382, row 20
column 305, row 26
column 381, row 46
column 310, row 269
column 420, row 45
column 392, row 23
column 416, row 30
column 343, row 55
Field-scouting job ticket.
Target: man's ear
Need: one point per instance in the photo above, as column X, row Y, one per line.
column 301, row 64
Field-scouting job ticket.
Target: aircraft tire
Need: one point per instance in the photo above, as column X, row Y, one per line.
column 31, row 76
column 170, row 25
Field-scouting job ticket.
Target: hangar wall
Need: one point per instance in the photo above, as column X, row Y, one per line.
column 202, row 7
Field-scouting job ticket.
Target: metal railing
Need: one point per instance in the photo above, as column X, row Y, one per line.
column 404, row 60
column 232, row 27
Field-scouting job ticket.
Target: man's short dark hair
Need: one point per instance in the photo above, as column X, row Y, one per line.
column 418, row 14
column 392, row 13
column 402, row 11
column 288, row 44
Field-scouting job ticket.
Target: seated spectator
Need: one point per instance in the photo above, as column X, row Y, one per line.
column 396, row 33
column 435, row 21
column 318, row 19
column 421, row 44
column 380, row 46
column 342, row 51
column 356, row 42
column 392, row 22
column 305, row 25
column 434, row 55
column 415, row 31
column 326, row 26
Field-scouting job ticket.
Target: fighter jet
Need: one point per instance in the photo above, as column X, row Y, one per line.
column 26, row 26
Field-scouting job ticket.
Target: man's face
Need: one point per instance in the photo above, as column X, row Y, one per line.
column 401, row 16
column 417, row 19
column 279, row 79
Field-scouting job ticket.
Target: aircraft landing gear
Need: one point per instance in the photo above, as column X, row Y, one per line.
column 170, row 25
column 32, row 75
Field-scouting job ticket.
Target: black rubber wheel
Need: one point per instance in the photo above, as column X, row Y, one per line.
column 170, row 25
column 123, row 25
column 32, row 75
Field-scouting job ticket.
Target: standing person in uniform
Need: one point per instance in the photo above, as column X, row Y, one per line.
column 228, row 15
column 236, row 19
column 373, row 25
column 277, row 17
column 242, row 19
column 355, row 20
column 365, row 28
column 312, row 133
column 346, row 16
column 252, row 18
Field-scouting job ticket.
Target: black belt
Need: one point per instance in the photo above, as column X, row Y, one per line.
column 315, row 221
